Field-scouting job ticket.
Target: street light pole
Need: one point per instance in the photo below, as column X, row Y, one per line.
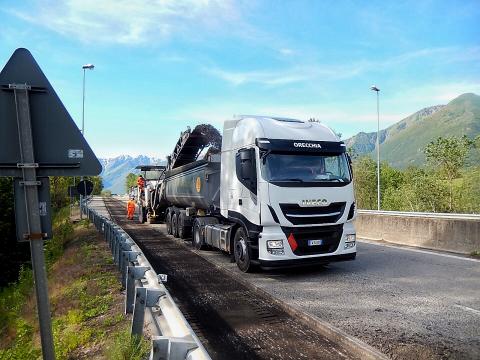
column 84, row 67
column 377, row 90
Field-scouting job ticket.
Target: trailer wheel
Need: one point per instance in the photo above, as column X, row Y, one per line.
column 242, row 251
column 168, row 222
column 197, row 240
column 175, row 224
column 183, row 231
column 141, row 214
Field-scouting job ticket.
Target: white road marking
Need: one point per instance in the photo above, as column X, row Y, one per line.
column 466, row 308
column 400, row 247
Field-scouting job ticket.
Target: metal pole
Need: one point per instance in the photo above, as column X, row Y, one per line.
column 34, row 235
column 83, row 133
column 378, row 152
column 83, row 105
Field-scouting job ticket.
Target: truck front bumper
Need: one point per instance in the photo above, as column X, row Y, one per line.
column 321, row 260
column 346, row 249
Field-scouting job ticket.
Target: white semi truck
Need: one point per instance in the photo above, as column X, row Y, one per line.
column 280, row 193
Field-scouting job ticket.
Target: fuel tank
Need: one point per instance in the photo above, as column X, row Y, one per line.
column 196, row 184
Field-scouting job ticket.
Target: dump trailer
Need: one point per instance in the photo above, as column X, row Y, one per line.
column 280, row 193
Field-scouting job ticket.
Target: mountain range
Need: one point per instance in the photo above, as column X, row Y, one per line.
column 402, row 143
column 116, row 169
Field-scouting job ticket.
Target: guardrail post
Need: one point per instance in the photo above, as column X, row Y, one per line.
column 119, row 248
column 107, row 230
column 113, row 237
column 124, row 246
column 171, row 348
column 113, row 231
column 144, row 298
column 116, row 245
column 128, row 257
column 134, row 273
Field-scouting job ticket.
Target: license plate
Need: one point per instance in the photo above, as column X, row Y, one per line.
column 315, row 242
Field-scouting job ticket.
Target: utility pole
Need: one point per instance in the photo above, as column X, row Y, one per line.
column 84, row 67
column 377, row 90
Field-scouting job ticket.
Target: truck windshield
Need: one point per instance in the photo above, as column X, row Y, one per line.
column 279, row 167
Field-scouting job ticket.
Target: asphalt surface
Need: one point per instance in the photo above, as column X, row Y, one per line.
column 409, row 304
column 231, row 320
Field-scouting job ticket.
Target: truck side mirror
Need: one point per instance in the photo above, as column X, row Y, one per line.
column 349, row 159
column 246, row 168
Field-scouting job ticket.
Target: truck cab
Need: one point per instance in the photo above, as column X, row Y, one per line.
column 287, row 185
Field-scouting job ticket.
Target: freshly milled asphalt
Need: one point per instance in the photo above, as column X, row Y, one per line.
column 408, row 304
column 231, row 320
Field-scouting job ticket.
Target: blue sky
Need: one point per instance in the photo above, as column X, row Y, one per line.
column 163, row 65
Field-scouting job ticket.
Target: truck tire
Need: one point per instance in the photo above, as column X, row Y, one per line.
column 141, row 215
column 183, row 231
column 168, row 222
column 242, row 251
column 197, row 239
column 175, row 224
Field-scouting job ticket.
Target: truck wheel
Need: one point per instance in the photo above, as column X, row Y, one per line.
column 242, row 251
column 168, row 222
column 141, row 214
column 175, row 224
column 197, row 240
column 182, row 229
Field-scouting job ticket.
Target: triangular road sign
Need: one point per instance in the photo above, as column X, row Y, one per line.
column 59, row 146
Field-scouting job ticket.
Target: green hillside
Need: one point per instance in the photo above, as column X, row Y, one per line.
column 402, row 144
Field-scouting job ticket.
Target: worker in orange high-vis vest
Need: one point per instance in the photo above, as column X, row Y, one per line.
column 141, row 182
column 130, row 208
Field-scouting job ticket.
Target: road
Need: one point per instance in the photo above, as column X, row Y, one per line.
column 231, row 319
column 409, row 304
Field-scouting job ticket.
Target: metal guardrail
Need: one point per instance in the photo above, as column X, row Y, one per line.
column 421, row 214
column 147, row 298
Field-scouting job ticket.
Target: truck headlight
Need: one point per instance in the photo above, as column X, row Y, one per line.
column 275, row 247
column 274, row 244
column 350, row 241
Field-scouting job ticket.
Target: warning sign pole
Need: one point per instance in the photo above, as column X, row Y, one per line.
column 38, row 138
column 34, row 228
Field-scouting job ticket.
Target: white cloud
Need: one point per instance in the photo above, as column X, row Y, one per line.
column 129, row 21
column 308, row 72
column 284, row 76
column 434, row 94
column 286, row 51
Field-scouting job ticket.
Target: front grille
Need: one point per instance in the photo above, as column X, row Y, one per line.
column 330, row 236
column 299, row 215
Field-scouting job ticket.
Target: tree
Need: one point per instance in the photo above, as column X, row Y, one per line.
column 365, row 175
column 447, row 156
column 106, row 193
column 97, row 184
column 130, row 180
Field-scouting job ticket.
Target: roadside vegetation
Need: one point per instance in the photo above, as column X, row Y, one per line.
column 450, row 181
column 130, row 181
column 84, row 288
column 86, row 302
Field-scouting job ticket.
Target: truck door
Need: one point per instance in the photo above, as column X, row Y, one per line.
column 246, row 170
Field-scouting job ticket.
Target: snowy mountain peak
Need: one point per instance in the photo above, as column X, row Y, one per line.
column 116, row 169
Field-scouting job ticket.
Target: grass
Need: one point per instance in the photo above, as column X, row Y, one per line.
column 126, row 347
column 85, row 297
column 475, row 253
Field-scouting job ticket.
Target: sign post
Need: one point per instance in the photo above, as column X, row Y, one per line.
column 34, row 228
column 37, row 138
